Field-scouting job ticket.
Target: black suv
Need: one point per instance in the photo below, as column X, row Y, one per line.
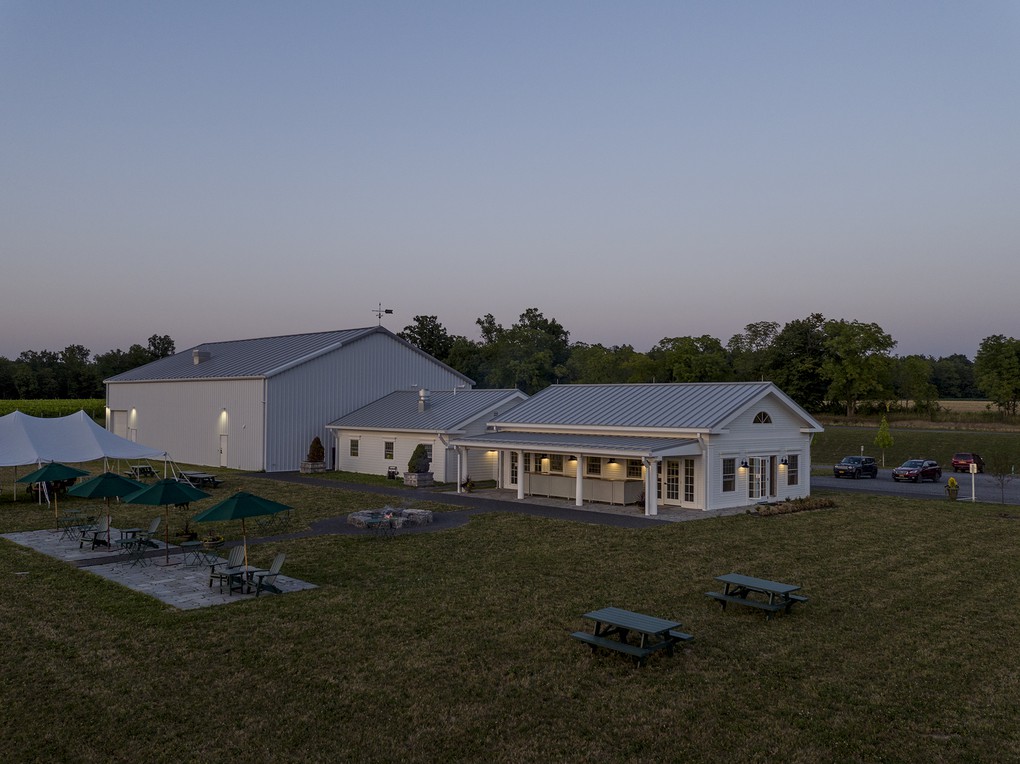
column 963, row 460
column 856, row 466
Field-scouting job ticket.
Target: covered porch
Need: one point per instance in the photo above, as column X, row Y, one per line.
column 611, row 469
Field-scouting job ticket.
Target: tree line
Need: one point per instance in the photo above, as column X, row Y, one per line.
column 823, row 364
column 74, row 372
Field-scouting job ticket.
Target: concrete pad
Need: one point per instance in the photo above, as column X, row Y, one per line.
column 185, row 587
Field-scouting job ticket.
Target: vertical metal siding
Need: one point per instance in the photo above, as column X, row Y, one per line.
column 303, row 400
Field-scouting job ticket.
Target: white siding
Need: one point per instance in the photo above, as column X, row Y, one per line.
column 187, row 419
column 269, row 424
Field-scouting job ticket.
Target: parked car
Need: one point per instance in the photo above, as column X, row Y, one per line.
column 917, row 470
column 963, row 460
column 856, row 467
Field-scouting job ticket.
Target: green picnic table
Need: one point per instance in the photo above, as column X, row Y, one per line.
column 775, row 596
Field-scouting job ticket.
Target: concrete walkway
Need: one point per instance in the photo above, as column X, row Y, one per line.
column 186, row 586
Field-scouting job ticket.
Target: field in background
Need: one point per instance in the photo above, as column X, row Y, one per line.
column 94, row 407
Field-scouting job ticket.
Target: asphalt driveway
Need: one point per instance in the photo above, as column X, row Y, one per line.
column 985, row 487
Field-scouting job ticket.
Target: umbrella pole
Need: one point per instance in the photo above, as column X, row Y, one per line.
column 244, row 540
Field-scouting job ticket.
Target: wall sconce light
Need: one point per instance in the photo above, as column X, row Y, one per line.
column 743, row 464
column 572, row 458
column 612, row 461
column 784, row 462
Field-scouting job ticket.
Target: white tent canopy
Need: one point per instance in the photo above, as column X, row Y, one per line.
column 27, row 439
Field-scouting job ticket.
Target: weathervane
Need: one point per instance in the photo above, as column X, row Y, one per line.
column 381, row 311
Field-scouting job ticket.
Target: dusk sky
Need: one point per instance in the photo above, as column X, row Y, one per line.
column 636, row 170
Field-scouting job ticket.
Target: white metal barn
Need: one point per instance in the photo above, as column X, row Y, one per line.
column 257, row 404
column 379, row 438
column 701, row 446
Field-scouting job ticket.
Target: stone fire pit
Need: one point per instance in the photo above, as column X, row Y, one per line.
column 398, row 518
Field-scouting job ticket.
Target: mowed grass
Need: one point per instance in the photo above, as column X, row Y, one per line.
column 454, row 646
column 836, row 442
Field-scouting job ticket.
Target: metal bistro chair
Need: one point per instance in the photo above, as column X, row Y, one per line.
column 222, row 571
column 266, row 523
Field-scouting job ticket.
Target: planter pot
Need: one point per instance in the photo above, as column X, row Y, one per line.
column 952, row 493
column 418, row 479
column 309, row 468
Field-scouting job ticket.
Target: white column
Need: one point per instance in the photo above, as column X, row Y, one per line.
column 520, row 474
column 651, row 487
column 579, row 482
column 460, row 471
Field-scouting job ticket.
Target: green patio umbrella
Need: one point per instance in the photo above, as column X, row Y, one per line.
column 164, row 493
column 106, row 486
column 238, row 507
column 50, row 473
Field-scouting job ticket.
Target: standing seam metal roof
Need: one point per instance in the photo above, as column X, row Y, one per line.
column 445, row 411
column 252, row 358
column 670, row 406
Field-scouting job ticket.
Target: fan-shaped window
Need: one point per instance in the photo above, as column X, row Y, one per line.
column 762, row 417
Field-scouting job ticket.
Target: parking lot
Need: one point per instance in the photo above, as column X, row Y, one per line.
column 986, row 488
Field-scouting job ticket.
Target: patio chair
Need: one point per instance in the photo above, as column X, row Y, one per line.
column 96, row 534
column 222, row 570
column 266, row 579
column 146, row 537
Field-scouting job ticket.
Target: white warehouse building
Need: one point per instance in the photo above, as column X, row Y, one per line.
column 256, row 404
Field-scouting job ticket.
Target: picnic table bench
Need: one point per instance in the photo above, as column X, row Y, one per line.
column 138, row 471
column 202, row 478
column 655, row 633
column 737, row 587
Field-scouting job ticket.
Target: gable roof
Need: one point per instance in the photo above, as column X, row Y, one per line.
column 696, row 407
column 447, row 410
column 254, row 358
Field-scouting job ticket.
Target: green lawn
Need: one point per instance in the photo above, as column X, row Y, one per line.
column 836, row 442
column 454, row 646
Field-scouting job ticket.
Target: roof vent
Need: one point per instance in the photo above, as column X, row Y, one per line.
column 423, row 399
column 197, row 356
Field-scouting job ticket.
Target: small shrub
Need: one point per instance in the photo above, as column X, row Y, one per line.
column 795, row 505
column 419, row 461
column 316, row 453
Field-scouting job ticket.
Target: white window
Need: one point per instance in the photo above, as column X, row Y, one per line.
column 354, row 447
column 729, row 474
column 762, row 417
column 556, row 462
column 793, row 470
column 388, row 449
column 634, row 468
column 594, row 466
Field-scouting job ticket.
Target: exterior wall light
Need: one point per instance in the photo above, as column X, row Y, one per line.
column 784, row 462
column 743, row 464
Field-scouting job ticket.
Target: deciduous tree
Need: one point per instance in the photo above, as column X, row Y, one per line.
column 856, row 361
column 997, row 371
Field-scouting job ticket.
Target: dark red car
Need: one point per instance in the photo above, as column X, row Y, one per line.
column 963, row 460
column 916, row 470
